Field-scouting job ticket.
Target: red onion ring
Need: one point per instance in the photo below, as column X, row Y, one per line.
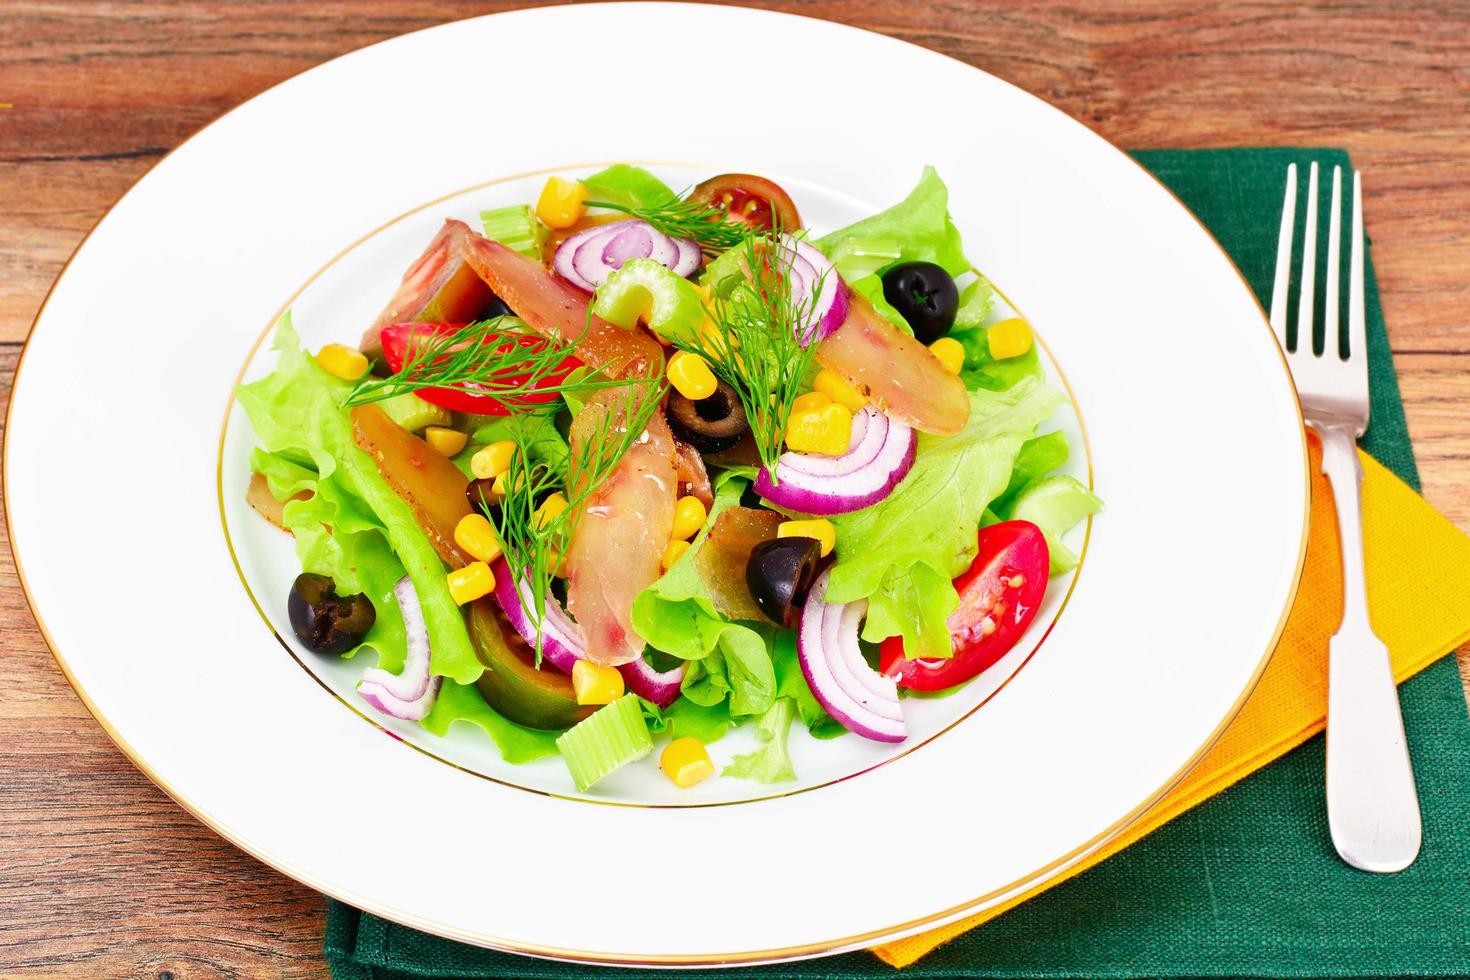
column 879, row 455
column 862, row 700
column 587, row 258
column 409, row 694
column 563, row 645
column 810, row 268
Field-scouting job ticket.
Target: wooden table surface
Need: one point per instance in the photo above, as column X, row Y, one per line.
column 101, row 875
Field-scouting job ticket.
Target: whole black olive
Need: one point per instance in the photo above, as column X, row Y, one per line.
column 925, row 295
column 496, row 307
column 780, row 573
column 710, row 425
column 325, row 621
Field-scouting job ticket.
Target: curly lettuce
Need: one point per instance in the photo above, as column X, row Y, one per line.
column 298, row 415
column 726, row 659
column 916, row 229
column 902, row 553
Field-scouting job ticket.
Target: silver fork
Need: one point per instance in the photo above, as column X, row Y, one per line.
column 1372, row 805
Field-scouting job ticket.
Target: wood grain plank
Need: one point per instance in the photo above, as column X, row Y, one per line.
column 100, row 874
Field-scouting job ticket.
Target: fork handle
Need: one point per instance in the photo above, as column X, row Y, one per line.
column 1372, row 805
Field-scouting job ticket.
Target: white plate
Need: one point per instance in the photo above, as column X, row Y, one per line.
column 317, row 193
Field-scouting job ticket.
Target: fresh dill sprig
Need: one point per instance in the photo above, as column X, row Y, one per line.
column 501, row 358
column 685, row 218
column 534, row 545
column 756, row 345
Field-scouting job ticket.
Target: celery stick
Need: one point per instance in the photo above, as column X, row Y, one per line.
column 605, row 741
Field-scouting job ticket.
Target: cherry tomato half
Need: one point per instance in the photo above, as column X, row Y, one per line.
column 397, row 337
column 999, row 595
column 750, row 200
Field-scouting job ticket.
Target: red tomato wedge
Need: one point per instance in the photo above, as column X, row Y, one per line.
column 751, row 201
column 999, row 595
column 397, row 339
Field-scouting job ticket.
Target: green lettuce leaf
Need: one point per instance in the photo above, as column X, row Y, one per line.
column 791, row 683
column 918, row 227
column 462, row 702
column 1037, row 458
column 297, row 414
column 726, row 659
column 771, row 763
column 980, row 370
column 686, row 719
column 630, row 186
column 901, row 554
column 335, row 538
column 545, row 441
column 1055, row 504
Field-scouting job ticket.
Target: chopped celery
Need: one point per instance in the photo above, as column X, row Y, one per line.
column 515, row 227
column 1055, row 505
column 672, row 305
column 605, row 741
column 855, row 258
column 413, row 413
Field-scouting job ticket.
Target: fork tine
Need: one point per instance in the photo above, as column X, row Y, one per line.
column 1331, row 344
column 1304, row 310
column 1357, row 320
column 1283, row 258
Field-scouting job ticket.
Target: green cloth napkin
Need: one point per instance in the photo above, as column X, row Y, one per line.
column 1247, row 884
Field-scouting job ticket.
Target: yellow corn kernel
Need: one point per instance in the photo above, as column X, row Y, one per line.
column 472, row 582
column 689, row 516
column 826, row 430
column 808, row 402
column 673, row 553
column 476, row 537
column 551, row 508
column 820, row 528
column 447, row 441
column 691, row 376
column 493, row 460
column 835, row 387
column 562, row 203
column 1009, row 338
column 686, row 761
column 951, row 353
column 595, row 684
column 343, row 362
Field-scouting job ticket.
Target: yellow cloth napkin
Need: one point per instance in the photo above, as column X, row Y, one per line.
column 1417, row 567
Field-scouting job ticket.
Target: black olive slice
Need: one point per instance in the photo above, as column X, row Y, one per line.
column 710, row 425
column 323, row 620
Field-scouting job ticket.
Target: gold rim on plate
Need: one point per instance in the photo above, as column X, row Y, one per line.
column 870, row 938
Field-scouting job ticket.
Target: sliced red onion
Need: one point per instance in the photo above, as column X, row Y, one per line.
column 563, row 645
column 810, row 269
column 861, row 699
column 879, row 455
column 690, row 257
column 561, row 638
column 411, row 693
column 660, row 687
column 587, row 258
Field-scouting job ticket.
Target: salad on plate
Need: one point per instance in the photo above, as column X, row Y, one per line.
column 625, row 468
